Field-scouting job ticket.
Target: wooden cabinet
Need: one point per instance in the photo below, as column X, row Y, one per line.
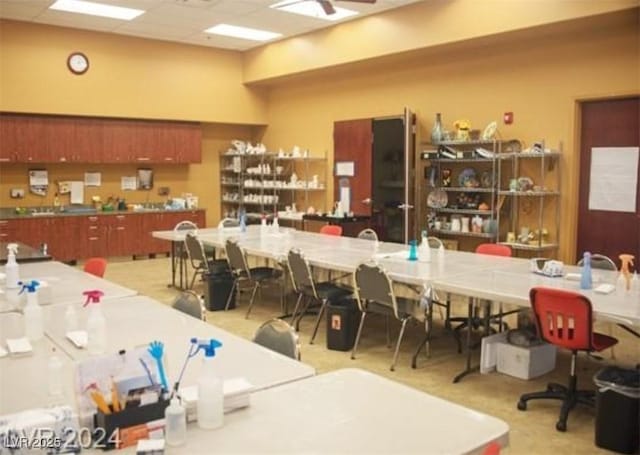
column 92, row 236
column 57, row 139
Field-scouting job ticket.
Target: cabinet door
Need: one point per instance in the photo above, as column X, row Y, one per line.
column 117, row 141
column 62, row 237
column 8, row 139
column 8, row 231
column 88, row 143
column 60, row 136
column 145, row 141
column 188, row 139
column 155, row 222
column 28, row 139
column 122, row 235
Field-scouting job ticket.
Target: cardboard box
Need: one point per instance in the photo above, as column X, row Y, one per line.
column 525, row 363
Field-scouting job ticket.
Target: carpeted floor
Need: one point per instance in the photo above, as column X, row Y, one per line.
column 531, row 432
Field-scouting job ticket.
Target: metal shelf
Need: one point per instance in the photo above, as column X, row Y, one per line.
column 461, row 160
column 464, row 211
column 531, row 247
column 464, row 189
column 483, row 235
column 528, row 193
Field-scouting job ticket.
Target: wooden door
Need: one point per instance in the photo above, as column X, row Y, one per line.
column 610, row 123
column 409, row 123
column 352, row 142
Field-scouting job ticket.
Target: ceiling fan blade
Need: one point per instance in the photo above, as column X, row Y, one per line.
column 327, row 7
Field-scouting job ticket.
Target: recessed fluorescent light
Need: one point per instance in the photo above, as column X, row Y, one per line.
column 242, row 32
column 96, row 9
column 313, row 9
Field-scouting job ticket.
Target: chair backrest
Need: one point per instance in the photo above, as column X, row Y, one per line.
column 331, row 229
column 300, row 271
column 186, row 225
column 600, row 261
column 96, row 266
column 228, row 222
column 236, row 258
column 435, row 242
column 190, row 303
column 494, row 249
column 195, row 251
column 280, row 337
column 368, row 234
column 563, row 318
column 373, row 284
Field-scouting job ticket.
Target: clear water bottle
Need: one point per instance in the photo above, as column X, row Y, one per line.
column 586, row 280
column 175, row 430
column 437, row 131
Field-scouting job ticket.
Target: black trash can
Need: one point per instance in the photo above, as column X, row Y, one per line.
column 343, row 317
column 217, row 287
column 617, row 411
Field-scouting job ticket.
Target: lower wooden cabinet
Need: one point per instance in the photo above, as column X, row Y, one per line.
column 79, row 237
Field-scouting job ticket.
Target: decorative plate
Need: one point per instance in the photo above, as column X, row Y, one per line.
column 525, row 184
column 489, row 131
column 437, row 199
column 468, row 178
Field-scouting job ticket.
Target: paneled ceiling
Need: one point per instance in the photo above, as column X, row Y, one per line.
column 185, row 20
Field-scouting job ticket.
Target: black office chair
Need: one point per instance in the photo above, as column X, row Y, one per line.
column 374, row 292
column 278, row 336
column 243, row 273
column 190, row 303
column 197, row 257
column 306, row 288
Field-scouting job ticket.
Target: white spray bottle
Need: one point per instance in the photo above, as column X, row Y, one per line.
column 12, row 269
column 210, row 389
column 33, row 318
column 96, row 324
column 425, row 249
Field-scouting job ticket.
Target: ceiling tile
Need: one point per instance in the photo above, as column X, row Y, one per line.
column 22, row 10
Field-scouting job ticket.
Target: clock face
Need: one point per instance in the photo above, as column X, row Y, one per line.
column 78, row 63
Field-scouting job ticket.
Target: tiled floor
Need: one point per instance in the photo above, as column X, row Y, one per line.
column 532, row 432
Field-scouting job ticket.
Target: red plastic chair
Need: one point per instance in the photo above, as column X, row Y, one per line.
column 564, row 319
column 331, row 229
column 96, row 266
column 494, row 249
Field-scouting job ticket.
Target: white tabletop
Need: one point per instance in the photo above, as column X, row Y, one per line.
column 66, row 284
column 513, row 285
column 135, row 321
column 23, row 379
column 348, row 411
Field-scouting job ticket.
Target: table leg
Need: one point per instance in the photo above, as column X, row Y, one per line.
column 468, row 368
column 173, row 265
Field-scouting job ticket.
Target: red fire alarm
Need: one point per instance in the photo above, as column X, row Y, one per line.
column 508, row 118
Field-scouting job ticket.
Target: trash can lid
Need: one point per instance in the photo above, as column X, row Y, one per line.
column 621, row 380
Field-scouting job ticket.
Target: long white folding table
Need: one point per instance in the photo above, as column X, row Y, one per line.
column 135, row 321
column 66, row 284
column 348, row 411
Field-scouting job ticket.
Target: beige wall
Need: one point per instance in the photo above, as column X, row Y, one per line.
column 417, row 26
column 127, row 77
column 538, row 78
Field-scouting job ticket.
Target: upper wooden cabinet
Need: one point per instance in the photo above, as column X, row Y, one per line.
column 57, row 139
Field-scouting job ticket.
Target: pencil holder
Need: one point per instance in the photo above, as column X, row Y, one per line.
column 122, row 423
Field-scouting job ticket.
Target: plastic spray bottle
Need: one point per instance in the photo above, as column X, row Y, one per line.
column 425, row 249
column 175, row 429
column 96, row 323
column 55, row 375
column 12, row 269
column 275, row 226
column 70, row 319
column 263, row 224
column 33, row 319
column 210, row 389
column 586, row 281
column 243, row 221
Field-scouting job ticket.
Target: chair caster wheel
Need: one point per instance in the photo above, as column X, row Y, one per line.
column 561, row 426
column 522, row 405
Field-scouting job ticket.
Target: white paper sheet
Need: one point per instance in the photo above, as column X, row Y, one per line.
column 92, row 178
column 345, row 169
column 64, row 187
column 345, row 199
column 38, row 177
column 614, row 179
column 77, row 192
column 129, row 183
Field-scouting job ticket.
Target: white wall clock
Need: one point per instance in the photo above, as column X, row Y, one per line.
column 78, row 63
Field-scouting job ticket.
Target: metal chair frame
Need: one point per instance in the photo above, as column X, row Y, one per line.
column 290, row 345
column 368, row 234
column 190, row 303
column 601, row 262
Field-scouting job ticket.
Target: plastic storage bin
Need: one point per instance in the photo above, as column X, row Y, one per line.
column 342, row 324
column 617, row 410
column 217, row 287
column 525, row 362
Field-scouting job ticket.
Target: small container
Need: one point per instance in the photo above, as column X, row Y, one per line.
column 55, row 375
column 175, row 430
column 33, row 318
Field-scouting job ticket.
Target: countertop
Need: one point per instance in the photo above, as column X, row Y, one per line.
column 9, row 213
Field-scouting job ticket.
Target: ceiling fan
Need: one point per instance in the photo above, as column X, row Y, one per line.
column 327, row 5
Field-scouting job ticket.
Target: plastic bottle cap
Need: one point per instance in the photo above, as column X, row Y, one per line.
column 29, row 286
column 92, row 296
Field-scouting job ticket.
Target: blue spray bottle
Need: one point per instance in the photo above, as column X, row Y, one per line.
column 33, row 318
column 586, row 281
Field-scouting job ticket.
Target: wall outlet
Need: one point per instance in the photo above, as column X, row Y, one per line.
column 16, row 193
